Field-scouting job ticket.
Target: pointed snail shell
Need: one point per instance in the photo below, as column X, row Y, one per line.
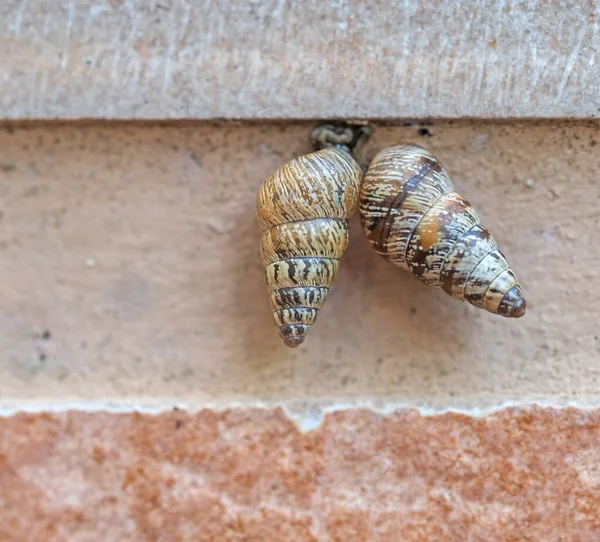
column 303, row 211
column 413, row 218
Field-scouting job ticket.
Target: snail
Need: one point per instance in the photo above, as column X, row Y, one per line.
column 413, row 218
column 303, row 210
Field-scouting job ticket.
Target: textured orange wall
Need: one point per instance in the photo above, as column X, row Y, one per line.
column 250, row 474
column 136, row 249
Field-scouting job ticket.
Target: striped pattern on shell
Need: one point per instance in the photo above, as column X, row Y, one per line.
column 413, row 218
column 303, row 211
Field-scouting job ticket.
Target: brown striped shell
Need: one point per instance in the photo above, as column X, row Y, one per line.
column 413, row 218
column 303, row 211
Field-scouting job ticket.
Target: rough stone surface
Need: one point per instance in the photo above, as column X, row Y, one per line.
column 129, row 271
column 251, row 475
column 71, row 59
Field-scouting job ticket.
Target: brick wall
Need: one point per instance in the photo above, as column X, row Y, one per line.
column 144, row 393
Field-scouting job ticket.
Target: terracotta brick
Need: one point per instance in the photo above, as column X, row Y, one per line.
column 250, row 474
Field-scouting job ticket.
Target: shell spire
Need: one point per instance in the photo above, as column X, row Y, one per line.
column 413, row 218
column 303, row 210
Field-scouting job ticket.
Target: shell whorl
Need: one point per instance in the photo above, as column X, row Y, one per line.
column 413, row 218
column 303, row 210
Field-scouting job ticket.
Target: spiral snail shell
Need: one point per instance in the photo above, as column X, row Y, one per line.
column 413, row 218
column 303, row 210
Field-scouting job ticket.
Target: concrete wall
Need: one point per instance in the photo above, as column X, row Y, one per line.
column 284, row 59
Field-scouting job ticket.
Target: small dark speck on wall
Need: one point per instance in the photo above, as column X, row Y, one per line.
column 425, row 132
column 178, row 424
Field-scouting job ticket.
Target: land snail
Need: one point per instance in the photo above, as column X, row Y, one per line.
column 409, row 212
column 413, row 218
column 303, row 210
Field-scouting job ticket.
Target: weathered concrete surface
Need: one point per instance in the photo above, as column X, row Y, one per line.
column 251, row 475
column 129, row 270
column 156, row 59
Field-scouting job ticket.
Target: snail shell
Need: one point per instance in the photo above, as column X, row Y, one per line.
column 303, row 211
column 413, row 218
